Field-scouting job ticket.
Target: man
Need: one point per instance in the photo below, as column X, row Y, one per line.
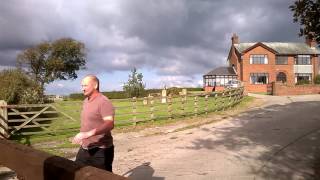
column 97, row 121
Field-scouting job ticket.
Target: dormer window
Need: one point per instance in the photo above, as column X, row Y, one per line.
column 258, row 59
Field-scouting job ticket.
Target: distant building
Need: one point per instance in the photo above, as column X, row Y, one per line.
column 257, row 64
column 55, row 97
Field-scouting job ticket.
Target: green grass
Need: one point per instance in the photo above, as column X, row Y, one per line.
column 65, row 128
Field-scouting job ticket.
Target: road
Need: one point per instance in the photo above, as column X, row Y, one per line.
column 278, row 140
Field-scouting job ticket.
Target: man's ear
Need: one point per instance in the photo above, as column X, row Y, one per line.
column 96, row 86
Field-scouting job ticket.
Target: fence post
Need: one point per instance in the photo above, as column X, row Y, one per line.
column 134, row 110
column 170, row 106
column 4, row 130
column 183, row 100
column 206, row 104
column 195, row 106
column 230, row 98
column 151, row 108
column 164, row 96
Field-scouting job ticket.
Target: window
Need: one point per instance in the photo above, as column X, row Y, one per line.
column 303, row 60
column 258, row 59
column 281, row 59
column 300, row 77
column 259, row 78
column 281, row 77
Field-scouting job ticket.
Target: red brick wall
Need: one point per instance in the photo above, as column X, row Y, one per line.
column 211, row 88
column 208, row 88
column 271, row 68
column 280, row 89
column 219, row 88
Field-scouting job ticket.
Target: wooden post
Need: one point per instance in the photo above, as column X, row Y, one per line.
column 170, row 106
column 151, row 107
column 145, row 101
column 206, row 104
column 223, row 101
column 4, row 130
column 134, row 110
column 183, row 94
column 164, row 96
column 196, row 106
column 183, row 100
column 230, row 99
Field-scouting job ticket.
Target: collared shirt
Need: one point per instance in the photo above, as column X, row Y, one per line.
column 93, row 111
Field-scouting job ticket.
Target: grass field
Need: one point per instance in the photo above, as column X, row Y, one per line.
column 65, row 128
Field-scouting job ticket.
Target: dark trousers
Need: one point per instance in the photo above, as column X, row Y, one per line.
column 98, row 157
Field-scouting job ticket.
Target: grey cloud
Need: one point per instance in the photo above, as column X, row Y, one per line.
column 170, row 37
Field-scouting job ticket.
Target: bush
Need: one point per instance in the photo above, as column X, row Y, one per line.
column 302, row 82
column 317, row 79
column 173, row 91
column 17, row 88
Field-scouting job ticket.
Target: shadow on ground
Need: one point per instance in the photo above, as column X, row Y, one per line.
column 289, row 134
column 144, row 171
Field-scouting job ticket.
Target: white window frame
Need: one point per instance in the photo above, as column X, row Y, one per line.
column 264, row 56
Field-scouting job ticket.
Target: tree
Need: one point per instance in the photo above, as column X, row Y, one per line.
column 49, row 61
column 307, row 12
column 17, row 88
column 135, row 86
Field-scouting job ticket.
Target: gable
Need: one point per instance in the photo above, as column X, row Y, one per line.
column 259, row 44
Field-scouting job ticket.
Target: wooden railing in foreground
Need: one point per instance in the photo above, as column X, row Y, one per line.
column 31, row 164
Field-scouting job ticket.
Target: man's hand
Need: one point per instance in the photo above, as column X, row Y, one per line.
column 82, row 135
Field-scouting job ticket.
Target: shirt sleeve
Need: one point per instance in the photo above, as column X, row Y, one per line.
column 106, row 108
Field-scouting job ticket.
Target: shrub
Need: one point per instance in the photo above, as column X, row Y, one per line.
column 173, row 91
column 17, row 88
column 302, row 82
column 317, row 79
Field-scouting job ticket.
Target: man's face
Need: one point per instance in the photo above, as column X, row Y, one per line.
column 88, row 86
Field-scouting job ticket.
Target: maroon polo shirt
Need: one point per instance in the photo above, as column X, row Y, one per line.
column 92, row 114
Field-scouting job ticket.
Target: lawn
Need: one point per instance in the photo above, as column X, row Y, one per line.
column 179, row 109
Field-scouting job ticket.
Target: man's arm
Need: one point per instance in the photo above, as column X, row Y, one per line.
column 108, row 125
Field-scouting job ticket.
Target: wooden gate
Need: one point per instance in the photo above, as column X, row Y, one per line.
column 26, row 119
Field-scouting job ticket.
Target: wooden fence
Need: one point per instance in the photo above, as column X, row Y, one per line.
column 26, row 119
column 169, row 107
column 35, row 119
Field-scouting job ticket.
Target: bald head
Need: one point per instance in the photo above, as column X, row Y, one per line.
column 93, row 79
column 90, row 85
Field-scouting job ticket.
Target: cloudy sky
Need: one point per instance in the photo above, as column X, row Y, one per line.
column 172, row 42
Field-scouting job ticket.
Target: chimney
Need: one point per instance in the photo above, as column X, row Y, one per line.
column 235, row 39
column 310, row 40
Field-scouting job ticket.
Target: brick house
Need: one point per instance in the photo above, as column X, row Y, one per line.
column 257, row 64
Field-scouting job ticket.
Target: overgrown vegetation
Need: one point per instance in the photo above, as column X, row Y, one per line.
column 17, row 88
column 317, row 79
column 135, row 86
column 302, row 82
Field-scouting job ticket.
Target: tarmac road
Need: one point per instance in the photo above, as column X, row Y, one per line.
column 280, row 140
